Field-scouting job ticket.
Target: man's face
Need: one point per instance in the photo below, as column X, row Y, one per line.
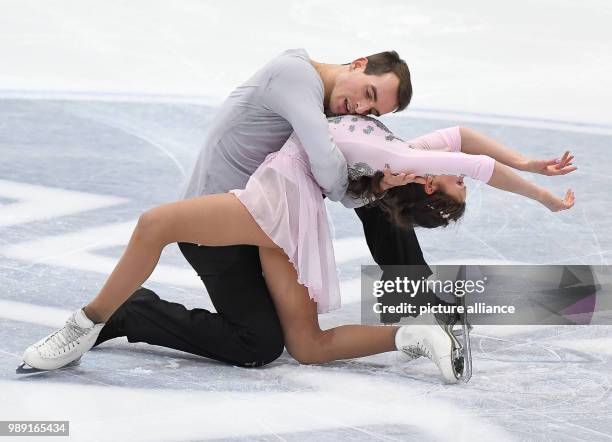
column 357, row 93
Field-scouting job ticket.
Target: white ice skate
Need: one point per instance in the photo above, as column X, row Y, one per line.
column 433, row 337
column 65, row 345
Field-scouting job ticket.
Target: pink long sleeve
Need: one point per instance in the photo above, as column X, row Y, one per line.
column 368, row 146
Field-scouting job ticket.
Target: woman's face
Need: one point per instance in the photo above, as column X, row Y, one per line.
column 451, row 185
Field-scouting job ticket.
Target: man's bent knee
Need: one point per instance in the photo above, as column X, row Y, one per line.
column 264, row 348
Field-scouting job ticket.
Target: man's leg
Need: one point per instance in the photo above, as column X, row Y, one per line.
column 388, row 243
column 245, row 331
column 391, row 246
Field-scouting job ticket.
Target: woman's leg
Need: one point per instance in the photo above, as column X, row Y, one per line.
column 214, row 220
column 304, row 339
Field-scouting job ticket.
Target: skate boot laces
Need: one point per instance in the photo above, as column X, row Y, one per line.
column 64, row 339
column 418, row 349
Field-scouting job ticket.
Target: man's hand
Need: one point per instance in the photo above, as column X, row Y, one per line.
column 551, row 167
column 392, row 180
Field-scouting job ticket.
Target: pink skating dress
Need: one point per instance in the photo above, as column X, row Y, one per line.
column 286, row 201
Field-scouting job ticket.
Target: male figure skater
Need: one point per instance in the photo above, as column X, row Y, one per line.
column 291, row 92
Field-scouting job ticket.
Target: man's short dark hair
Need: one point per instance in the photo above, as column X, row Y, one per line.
column 390, row 61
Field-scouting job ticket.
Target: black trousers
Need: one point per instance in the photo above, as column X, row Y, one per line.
column 246, row 330
column 392, row 246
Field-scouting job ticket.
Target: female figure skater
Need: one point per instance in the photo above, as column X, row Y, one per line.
column 281, row 210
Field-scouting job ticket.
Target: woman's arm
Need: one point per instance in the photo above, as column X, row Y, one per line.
column 368, row 148
column 505, row 179
column 502, row 177
column 473, row 142
column 456, row 139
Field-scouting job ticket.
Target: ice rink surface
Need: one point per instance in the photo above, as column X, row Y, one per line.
column 76, row 175
column 102, row 112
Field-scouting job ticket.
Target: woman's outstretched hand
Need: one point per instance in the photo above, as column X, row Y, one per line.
column 551, row 167
column 391, row 180
column 556, row 204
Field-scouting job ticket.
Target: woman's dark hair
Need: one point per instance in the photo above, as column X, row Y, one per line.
column 409, row 205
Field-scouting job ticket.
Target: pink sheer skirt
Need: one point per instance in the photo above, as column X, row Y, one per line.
column 285, row 200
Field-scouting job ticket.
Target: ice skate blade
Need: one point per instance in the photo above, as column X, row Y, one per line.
column 463, row 361
column 458, row 333
column 26, row 369
column 458, row 329
column 461, row 352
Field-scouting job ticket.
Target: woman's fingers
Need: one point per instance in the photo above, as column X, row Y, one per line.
column 569, row 169
column 569, row 199
column 393, row 180
column 568, row 158
column 563, row 204
column 561, row 168
column 565, row 155
column 413, row 178
column 564, row 161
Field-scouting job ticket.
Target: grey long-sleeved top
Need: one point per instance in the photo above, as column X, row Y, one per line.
column 258, row 117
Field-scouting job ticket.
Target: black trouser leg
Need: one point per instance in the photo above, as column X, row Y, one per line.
column 391, row 245
column 245, row 330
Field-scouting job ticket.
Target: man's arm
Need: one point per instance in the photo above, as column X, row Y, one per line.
column 295, row 93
